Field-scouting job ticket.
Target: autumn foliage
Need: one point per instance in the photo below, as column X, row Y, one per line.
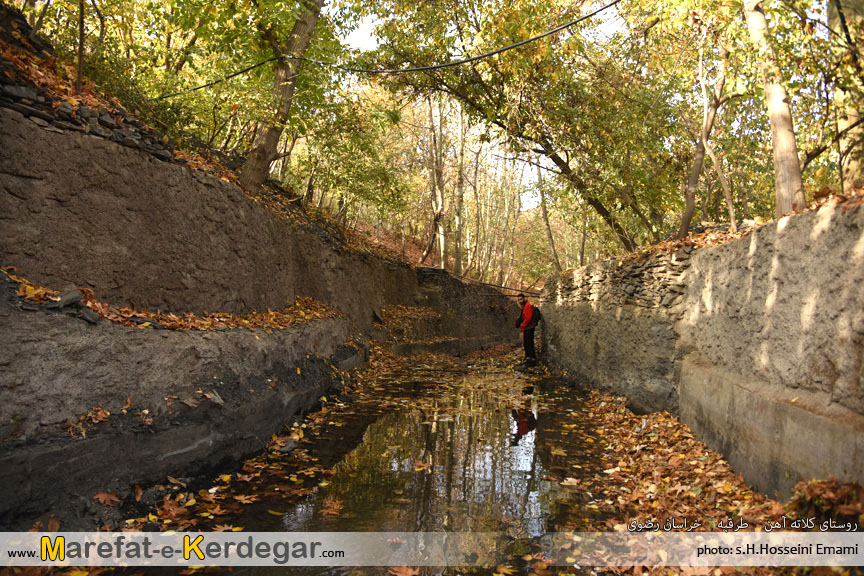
column 302, row 310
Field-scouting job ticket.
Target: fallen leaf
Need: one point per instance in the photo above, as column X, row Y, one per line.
column 107, row 498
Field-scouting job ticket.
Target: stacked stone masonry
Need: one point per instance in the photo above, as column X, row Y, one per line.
column 757, row 344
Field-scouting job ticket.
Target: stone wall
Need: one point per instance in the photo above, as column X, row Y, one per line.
column 613, row 324
column 161, row 402
column 76, row 208
column 757, row 344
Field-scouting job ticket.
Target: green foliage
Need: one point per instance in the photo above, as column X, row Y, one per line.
column 614, row 105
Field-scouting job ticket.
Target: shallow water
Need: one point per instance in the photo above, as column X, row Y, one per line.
column 452, row 447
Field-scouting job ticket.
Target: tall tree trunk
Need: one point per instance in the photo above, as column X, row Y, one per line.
column 844, row 16
column 169, row 36
column 436, row 184
column 285, row 156
column 309, row 195
column 440, row 151
column 101, row 18
column 545, row 214
column 474, row 248
column 26, row 7
column 718, row 167
column 38, row 25
column 710, row 106
column 435, row 160
column 79, row 78
column 584, row 233
column 517, row 211
column 265, row 148
column 445, row 247
column 460, row 197
column 727, row 190
column 706, row 202
column 789, row 188
column 184, row 54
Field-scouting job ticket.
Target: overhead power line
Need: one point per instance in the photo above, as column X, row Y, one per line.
column 400, row 70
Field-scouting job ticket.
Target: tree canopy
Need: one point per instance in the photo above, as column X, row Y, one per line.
column 612, row 133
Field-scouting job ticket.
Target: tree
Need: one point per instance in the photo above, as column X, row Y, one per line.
column 787, row 171
column 266, row 146
column 436, row 153
column 846, row 17
column 459, row 193
column 79, row 74
column 710, row 106
column 527, row 93
column 546, row 225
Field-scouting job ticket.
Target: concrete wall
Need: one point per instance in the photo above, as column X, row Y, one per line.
column 757, row 344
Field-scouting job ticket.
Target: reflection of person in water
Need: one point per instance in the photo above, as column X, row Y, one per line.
column 525, row 423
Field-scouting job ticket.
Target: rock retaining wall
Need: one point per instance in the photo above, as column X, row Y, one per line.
column 92, row 199
column 88, row 408
column 613, row 324
column 78, row 209
column 757, row 344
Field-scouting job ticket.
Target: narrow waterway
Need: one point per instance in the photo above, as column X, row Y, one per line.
column 436, row 445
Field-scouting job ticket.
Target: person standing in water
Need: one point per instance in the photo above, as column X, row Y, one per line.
column 527, row 322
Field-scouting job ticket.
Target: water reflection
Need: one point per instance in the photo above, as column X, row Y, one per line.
column 464, row 462
column 526, row 422
column 479, row 453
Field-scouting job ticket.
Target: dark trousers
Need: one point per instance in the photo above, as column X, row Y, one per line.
column 528, row 342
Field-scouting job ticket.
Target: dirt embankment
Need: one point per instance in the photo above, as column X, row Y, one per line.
column 79, row 209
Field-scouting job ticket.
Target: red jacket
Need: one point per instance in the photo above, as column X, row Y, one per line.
column 527, row 317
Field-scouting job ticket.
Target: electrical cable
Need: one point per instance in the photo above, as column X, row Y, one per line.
column 402, row 70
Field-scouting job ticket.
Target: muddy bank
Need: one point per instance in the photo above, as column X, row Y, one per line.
column 82, row 210
column 99, row 407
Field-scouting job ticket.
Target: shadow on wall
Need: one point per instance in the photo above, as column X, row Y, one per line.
column 785, row 306
column 772, row 349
